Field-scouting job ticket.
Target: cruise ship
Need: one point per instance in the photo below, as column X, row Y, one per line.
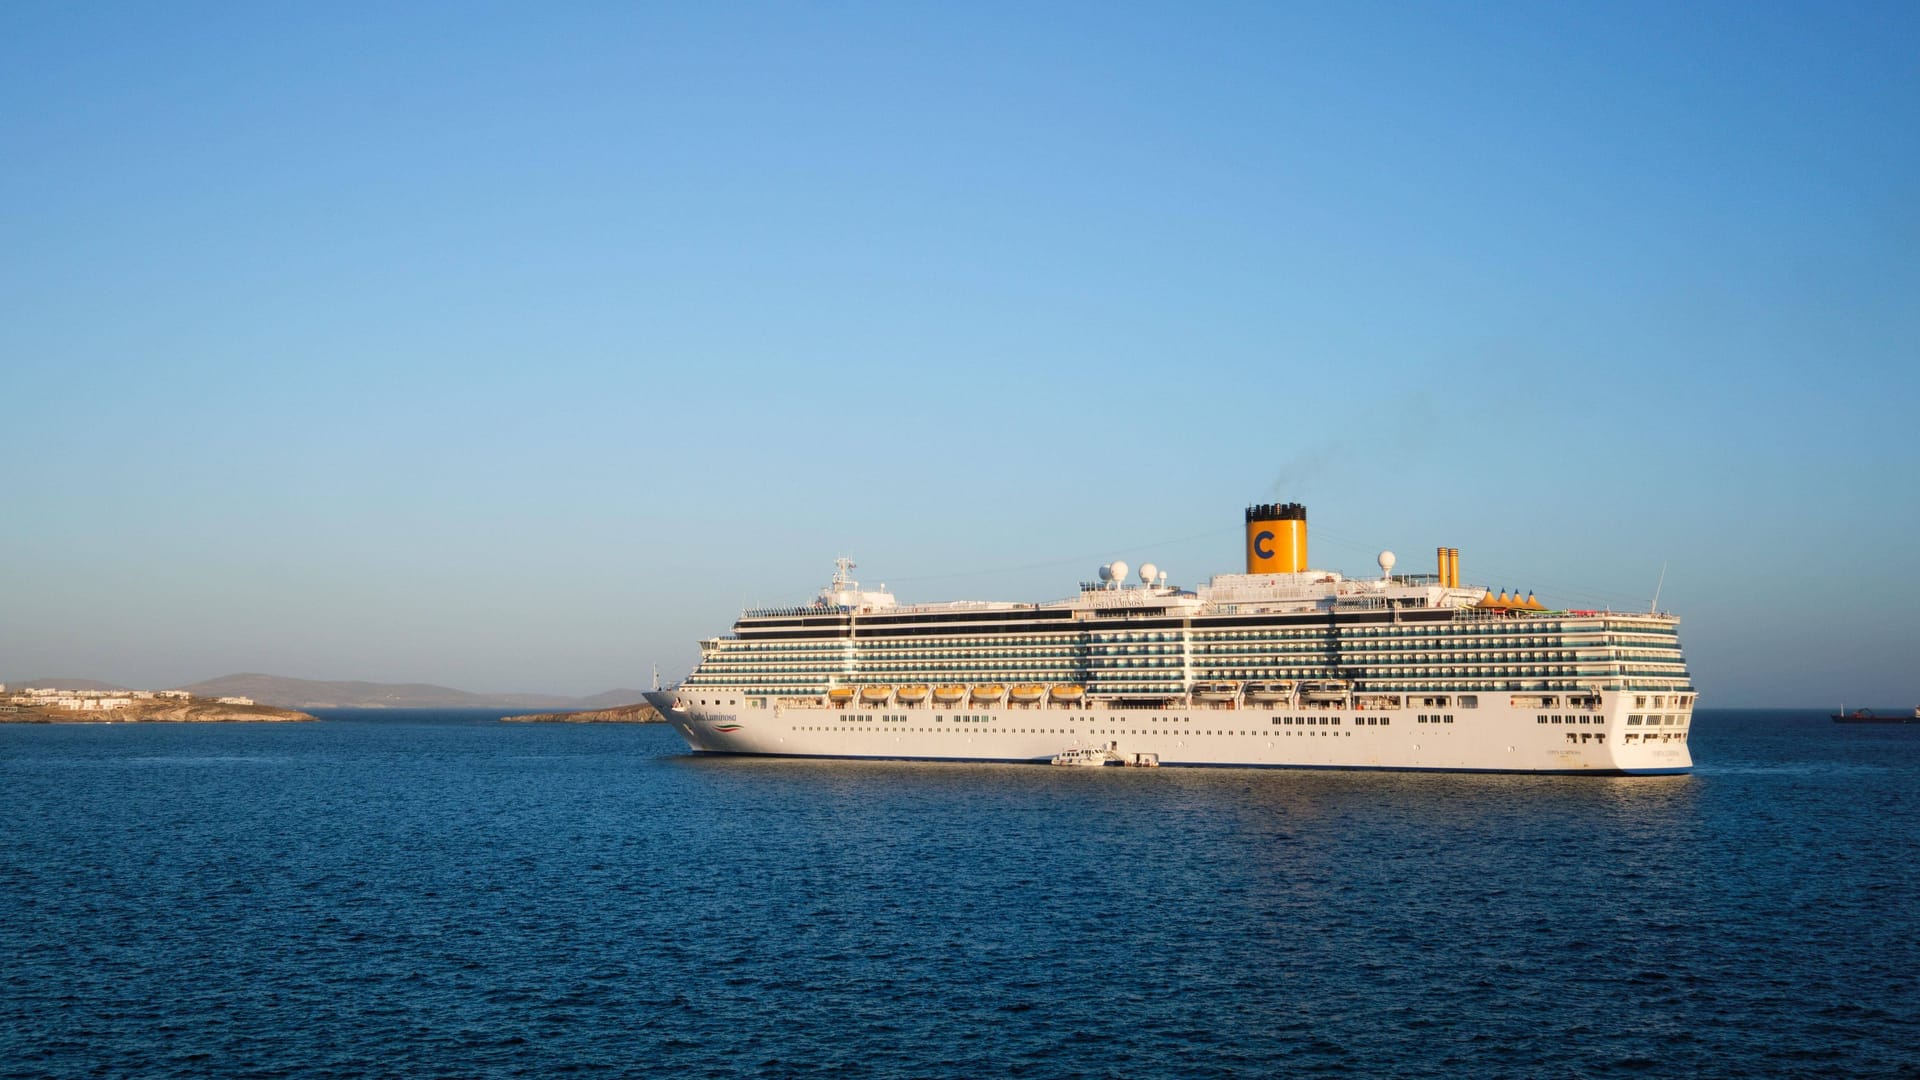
column 1280, row 666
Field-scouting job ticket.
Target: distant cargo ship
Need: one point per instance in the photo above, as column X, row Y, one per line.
column 1279, row 666
column 1867, row 716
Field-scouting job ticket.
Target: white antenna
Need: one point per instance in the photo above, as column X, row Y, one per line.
column 1654, row 608
column 656, row 676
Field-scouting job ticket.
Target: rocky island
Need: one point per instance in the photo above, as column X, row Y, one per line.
column 623, row 714
column 46, row 705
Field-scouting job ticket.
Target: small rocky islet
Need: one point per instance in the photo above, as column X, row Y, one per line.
column 641, row 713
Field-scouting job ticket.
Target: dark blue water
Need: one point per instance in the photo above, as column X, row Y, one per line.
column 448, row 895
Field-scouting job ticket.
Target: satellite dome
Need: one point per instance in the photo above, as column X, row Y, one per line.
column 1386, row 562
column 1148, row 572
column 1119, row 571
column 1106, row 572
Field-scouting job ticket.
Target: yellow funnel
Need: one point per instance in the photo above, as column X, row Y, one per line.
column 1276, row 538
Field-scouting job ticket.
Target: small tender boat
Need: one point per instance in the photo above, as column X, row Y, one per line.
column 1026, row 693
column 911, row 695
column 948, row 695
column 1066, row 692
column 840, row 695
column 989, row 692
column 875, row 695
column 1086, row 757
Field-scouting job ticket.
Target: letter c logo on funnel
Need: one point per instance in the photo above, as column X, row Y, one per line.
column 1263, row 544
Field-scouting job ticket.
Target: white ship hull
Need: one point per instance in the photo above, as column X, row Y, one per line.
column 1495, row 736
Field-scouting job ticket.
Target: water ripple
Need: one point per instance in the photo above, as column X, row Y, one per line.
column 451, row 896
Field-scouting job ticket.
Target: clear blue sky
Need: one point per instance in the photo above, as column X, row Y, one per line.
column 516, row 347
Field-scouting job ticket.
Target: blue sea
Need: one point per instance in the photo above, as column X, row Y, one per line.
column 442, row 894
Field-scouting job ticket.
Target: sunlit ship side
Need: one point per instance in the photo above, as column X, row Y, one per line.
column 1280, row 666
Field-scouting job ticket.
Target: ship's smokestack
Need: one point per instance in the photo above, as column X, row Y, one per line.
column 1276, row 538
column 1453, row 568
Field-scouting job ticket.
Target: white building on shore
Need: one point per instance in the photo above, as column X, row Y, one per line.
column 94, row 700
column 90, row 702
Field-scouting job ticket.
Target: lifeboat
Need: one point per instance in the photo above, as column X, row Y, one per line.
column 989, row 693
column 840, row 695
column 1026, row 693
column 875, row 695
column 1270, row 693
column 1326, row 691
column 1225, row 690
column 1067, row 692
column 948, row 695
column 912, row 695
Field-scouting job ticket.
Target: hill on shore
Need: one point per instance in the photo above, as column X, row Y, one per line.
column 315, row 694
column 73, row 684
